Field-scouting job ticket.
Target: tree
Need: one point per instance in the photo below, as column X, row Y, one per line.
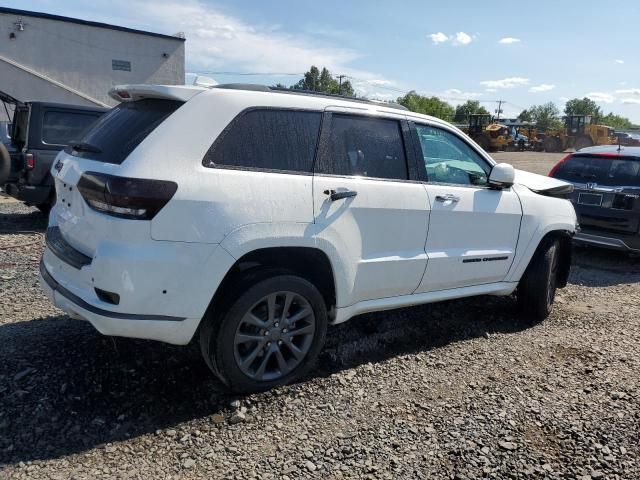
column 428, row 105
column 545, row 116
column 316, row 80
column 525, row 116
column 467, row 108
column 584, row 106
column 616, row 121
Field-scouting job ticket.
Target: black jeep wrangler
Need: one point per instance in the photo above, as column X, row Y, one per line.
column 39, row 130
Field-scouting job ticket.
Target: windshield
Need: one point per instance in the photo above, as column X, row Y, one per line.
column 607, row 171
column 117, row 133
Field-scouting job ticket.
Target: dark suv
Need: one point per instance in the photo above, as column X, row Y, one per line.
column 38, row 132
column 606, row 195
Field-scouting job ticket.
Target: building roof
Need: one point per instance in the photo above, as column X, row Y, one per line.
column 48, row 16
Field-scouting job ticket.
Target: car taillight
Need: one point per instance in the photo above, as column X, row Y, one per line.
column 555, row 168
column 134, row 198
column 30, row 161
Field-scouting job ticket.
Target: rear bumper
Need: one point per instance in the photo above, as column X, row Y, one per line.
column 153, row 327
column 627, row 243
column 163, row 288
column 29, row 194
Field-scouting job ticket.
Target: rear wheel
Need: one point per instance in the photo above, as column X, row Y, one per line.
column 551, row 144
column 46, row 207
column 483, row 141
column 537, row 288
column 271, row 335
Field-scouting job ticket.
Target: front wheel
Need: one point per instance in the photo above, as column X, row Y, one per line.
column 537, row 288
column 271, row 335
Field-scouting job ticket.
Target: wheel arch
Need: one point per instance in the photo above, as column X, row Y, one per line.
column 309, row 263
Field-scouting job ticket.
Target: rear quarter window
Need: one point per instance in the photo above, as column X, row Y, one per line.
column 118, row 132
column 271, row 139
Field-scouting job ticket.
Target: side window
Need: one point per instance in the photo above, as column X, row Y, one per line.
column 269, row 139
column 364, row 146
column 449, row 159
column 59, row 128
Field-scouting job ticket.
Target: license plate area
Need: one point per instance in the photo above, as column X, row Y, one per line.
column 592, row 199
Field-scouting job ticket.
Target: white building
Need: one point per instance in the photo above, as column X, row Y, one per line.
column 59, row 59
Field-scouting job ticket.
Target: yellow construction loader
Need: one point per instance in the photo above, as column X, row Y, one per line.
column 579, row 132
column 489, row 134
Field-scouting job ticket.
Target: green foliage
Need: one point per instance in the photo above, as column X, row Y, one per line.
column 616, row 121
column 317, row 80
column 427, row 105
column 525, row 115
column 545, row 116
column 467, row 108
column 584, row 106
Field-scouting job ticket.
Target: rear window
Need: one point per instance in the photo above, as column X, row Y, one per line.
column 270, row 139
column 601, row 170
column 118, row 132
column 59, row 128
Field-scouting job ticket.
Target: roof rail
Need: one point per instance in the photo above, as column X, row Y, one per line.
column 263, row 88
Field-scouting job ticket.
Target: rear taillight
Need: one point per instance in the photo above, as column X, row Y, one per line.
column 135, row 198
column 555, row 168
column 30, row 161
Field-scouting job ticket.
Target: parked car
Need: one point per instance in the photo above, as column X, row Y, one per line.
column 606, row 195
column 39, row 131
column 253, row 218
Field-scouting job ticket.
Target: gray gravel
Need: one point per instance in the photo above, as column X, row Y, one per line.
column 460, row 390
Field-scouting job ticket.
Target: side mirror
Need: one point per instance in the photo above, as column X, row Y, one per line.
column 502, row 176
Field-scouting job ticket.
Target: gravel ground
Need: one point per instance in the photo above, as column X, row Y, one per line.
column 536, row 162
column 459, row 390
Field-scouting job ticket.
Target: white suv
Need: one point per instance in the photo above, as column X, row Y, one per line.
column 254, row 218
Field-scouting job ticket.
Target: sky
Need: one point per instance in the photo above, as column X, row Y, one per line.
column 522, row 53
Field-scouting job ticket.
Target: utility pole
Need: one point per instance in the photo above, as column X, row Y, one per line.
column 340, row 77
column 499, row 109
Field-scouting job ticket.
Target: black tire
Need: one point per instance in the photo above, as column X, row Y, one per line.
column 5, row 164
column 483, row 141
column 219, row 334
column 537, row 288
column 551, row 144
column 583, row 142
column 48, row 205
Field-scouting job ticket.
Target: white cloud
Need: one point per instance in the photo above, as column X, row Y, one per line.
column 543, row 87
column 629, row 91
column 619, row 61
column 462, row 39
column 601, row 97
column 217, row 40
column 631, row 100
column 509, row 82
column 438, row 38
column 490, row 90
column 563, row 99
column 454, row 92
column 508, row 40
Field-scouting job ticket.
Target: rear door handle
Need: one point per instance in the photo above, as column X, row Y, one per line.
column 333, row 195
column 447, row 198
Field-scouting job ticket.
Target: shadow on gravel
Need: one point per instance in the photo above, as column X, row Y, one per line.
column 64, row 388
column 599, row 267
column 19, row 223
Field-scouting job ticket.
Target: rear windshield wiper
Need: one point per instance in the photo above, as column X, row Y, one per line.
column 85, row 147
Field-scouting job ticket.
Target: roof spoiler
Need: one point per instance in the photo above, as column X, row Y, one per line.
column 131, row 93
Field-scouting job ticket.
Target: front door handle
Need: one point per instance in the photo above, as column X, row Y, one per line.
column 333, row 195
column 447, row 198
